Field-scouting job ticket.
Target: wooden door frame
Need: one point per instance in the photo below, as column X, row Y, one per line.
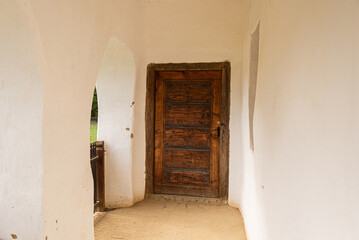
column 150, row 118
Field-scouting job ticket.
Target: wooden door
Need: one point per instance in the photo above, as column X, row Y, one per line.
column 187, row 129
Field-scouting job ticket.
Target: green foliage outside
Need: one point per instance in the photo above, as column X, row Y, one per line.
column 93, row 131
column 94, row 115
column 94, row 110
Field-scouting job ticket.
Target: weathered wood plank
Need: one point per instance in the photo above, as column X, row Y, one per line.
column 186, row 178
column 188, row 66
column 159, row 132
column 184, row 190
column 150, row 129
column 186, row 159
column 203, row 75
column 192, row 115
column 215, row 138
column 224, row 140
column 187, row 138
column 189, row 75
column 188, row 92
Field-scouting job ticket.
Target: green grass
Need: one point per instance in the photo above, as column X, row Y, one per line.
column 93, row 131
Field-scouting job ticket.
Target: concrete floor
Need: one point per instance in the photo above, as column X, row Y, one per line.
column 167, row 219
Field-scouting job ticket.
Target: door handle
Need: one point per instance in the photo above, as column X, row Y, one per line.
column 218, row 129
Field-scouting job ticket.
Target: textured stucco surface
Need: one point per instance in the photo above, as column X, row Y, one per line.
column 115, row 91
column 301, row 180
column 21, row 156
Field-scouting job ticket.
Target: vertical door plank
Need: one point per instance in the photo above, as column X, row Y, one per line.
column 159, row 133
column 215, row 138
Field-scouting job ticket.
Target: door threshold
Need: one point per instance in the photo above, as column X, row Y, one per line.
column 189, row 199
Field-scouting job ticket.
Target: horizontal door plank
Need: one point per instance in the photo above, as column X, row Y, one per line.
column 186, row 178
column 215, row 75
column 186, row 159
column 181, row 92
column 190, row 115
column 189, row 75
column 187, row 138
column 185, row 190
column 167, row 75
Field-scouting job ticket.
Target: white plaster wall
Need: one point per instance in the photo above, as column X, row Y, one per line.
column 246, row 186
column 115, row 88
column 21, row 159
column 71, row 39
column 302, row 181
column 74, row 36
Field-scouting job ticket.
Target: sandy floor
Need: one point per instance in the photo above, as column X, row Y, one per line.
column 163, row 219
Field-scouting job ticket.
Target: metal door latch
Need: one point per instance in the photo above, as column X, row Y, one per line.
column 218, row 129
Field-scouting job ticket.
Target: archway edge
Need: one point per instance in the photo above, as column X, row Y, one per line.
column 115, row 89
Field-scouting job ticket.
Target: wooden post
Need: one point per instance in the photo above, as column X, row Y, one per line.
column 100, row 152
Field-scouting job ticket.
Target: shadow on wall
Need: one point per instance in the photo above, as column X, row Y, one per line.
column 115, row 92
column 253, row 72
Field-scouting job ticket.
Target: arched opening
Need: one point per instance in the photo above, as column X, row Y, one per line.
column 94, row 118
column 115, row 92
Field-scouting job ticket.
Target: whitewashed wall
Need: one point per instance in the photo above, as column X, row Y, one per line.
column 302, row 182
column 115, row 89
column 21, row 157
